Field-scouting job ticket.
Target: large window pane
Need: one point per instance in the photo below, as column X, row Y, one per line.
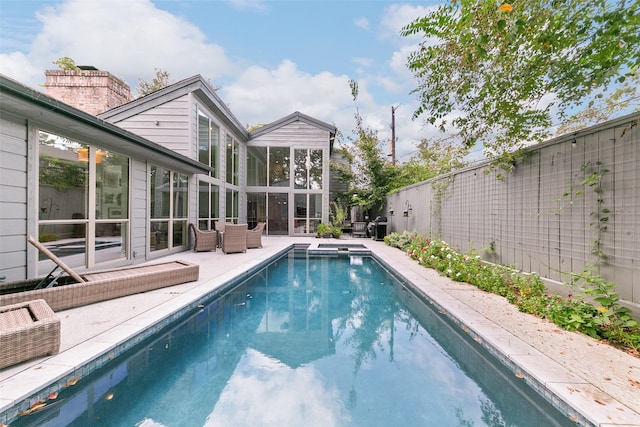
column 300, row 168
column 112, row 185
column 279, row 167
column 208, row 205
column 232, row 205
column 208, row 142
column 63, row 179
column 315, row 169
column 180, row 195
column 315, row 205
column 110, row 241
column 160, row 192
column 204, row 144
column 278, row 218
column 232, row 160
column 257, row 166
column 256, row 208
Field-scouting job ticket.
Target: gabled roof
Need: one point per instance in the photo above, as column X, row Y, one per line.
column 292, row 118
column 196, row 85
column 55, row 116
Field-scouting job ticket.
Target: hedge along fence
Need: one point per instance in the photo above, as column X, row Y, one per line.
column 571, row 204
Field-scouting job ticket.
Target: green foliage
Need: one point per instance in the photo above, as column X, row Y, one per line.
column 323, row 229
column 602, row 109
column 606, row 320
column 433, row 159
column 366, row 170
column 400, row 240
column 338, row 213
column 499, row 64
column 66, row 63
column 161, row 80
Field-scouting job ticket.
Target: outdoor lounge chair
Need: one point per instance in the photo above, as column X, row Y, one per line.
column 254, row 236
column 28, row 329
column 235, row 238
column 204, row 240
column 95, row 286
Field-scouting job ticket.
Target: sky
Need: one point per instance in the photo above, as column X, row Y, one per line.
column 268, row 58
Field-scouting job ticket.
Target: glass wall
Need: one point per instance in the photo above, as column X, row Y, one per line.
column 268, row 170
column 72, row 176
column 169, row 209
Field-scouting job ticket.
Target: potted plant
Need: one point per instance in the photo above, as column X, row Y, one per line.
column 323, row 229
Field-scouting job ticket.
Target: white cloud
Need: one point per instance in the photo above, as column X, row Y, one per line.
column 251, row 5
column 260, row 95
column 128, row 38
column 397, row 16
column 131, row 38
column 362, row 23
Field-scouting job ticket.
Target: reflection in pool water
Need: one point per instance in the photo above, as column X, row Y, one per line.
column 308, row 341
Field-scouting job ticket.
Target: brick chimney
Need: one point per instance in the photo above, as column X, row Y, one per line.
column 87, row 89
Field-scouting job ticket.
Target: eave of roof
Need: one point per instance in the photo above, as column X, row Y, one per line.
column 56, row 116
column 196, row 85
column 292, row 118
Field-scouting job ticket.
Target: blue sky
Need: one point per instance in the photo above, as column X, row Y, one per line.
column 268, row 57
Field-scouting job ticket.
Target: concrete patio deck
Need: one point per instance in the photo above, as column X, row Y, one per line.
column 599, row 384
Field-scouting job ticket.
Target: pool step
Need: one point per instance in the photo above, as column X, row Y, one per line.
column 335, row 249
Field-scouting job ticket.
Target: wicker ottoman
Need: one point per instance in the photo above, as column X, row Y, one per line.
column 28, row 329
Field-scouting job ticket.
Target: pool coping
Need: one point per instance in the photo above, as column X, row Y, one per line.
column 573, row 395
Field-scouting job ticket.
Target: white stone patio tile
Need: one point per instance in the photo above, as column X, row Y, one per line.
column 596, row 406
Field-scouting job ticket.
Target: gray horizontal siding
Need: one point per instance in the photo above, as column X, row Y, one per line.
column 13, row 198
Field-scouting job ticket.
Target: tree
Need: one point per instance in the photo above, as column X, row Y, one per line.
column 161, row 80
column 366, row 170
column 502, row 70
column 601, row 109
column 66, row 63
column 434, row 158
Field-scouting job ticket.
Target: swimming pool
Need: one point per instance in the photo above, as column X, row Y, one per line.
column 308, row 340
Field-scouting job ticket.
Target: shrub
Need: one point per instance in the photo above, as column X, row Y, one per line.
column 606, row 320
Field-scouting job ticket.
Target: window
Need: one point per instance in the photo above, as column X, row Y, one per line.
column 279, row 166
column 208, row 143
column 208, row 205
column 257, row 166
column 308, row 169
column 308, row 212
column 232, row 160
column 232, row 205
column 168, row 208
column 72, row 176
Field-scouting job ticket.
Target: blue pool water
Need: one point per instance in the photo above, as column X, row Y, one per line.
column 307, row 341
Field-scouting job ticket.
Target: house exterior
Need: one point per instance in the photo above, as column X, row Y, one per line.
column 122, row 187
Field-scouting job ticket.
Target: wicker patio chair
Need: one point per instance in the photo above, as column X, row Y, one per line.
column 254, row 236
column 235, row 238
column 27, row 330
column 204, row 240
